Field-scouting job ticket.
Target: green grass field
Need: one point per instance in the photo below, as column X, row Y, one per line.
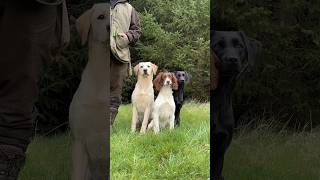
column 263, row 155
column 183, row 153
column 259, row 154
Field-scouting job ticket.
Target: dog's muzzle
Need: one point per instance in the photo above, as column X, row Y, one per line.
column 145, row 72
column 168, row 83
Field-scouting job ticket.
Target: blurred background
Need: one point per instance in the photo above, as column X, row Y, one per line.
column 285, row 87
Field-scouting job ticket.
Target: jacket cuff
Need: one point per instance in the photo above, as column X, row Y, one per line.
column 130, row 37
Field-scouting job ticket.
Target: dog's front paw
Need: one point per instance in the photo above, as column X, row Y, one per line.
column 156, row 130
column 142, row 131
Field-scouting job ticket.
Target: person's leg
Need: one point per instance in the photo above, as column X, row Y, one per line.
column 119, row 72
column 24, row 48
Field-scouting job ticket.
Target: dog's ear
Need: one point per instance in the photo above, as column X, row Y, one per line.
column 212, row 35
column 175, row 84
column 253, row 48
column 154, row 68
column 158, row 81
column 136, row 69
column 214, row 70
column 188, row 77
column 83, row 24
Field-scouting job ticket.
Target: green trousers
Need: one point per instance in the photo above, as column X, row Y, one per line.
column 119, row 73
column 27, row 33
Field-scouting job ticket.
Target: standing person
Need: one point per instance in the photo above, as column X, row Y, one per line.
column 28, row 31
column 125, row 32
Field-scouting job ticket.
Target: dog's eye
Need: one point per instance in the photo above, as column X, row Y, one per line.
column 148, row 66
column 101, row 17
column 220, row 44
column 141, row 66
column 182, row 74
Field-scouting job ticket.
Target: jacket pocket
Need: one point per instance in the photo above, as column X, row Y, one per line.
column 122, row 42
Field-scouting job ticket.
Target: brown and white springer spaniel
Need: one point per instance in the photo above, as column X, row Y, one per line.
column 164, row 106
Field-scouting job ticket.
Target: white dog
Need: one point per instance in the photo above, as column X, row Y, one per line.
column 164, row 106
column 143, row 95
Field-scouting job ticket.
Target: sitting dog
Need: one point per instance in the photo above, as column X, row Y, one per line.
column 164, row 106
column 232, row 52
column 143, row 95
column 87, row 113
column 183, row 78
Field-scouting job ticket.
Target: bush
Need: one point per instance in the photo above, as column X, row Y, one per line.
column 286, row 84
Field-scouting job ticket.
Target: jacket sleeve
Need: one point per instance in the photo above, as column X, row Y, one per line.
column 134, row 32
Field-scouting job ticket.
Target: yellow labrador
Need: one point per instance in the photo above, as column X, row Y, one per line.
column 143, row 95
column 87, row 113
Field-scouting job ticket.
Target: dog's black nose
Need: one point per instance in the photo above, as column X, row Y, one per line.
column 145, row 71
column 232, row 59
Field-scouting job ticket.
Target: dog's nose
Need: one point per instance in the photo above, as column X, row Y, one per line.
column 145, row 71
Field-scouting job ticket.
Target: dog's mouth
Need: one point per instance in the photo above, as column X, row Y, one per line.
column 229, row 70
column 229, row 73
column 145, row 73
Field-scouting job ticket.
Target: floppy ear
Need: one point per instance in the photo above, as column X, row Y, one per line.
column 175, row 84
column 154, row 69
column 188, row 77
column 136, row 69
column 253, row 48
column 214, row 70
column 158, row 81
column 83, row 24
column 212, row 33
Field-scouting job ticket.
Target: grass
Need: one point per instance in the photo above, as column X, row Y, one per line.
column 183, row 153
column 179, row 154
column 258, row 154
column 48, row 159
column 261, row 154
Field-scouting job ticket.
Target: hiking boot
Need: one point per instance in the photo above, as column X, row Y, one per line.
column 12, row 160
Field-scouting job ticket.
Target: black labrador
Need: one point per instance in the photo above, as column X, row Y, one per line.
column 183, row 78
column 234, row 52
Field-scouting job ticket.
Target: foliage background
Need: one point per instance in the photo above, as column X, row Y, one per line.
column 175, row 37
column 286, row 85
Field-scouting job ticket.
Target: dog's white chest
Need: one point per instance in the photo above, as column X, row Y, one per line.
column 165, row 99
column 142, row 99
column 143, row 102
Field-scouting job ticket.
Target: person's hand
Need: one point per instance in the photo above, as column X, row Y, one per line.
column 122, row 34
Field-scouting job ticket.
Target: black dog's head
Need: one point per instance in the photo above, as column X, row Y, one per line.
column 235, row 50
column 183, row 77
